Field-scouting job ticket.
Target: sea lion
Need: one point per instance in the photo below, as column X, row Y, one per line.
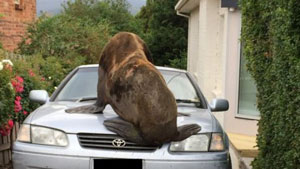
column 137, row 92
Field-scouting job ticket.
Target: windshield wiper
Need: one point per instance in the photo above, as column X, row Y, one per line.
column 186, row 101
column 86, row 99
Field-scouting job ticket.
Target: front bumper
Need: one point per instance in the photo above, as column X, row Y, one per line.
column 31, row 156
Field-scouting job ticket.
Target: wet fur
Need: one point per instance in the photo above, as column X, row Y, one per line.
column 137, row 92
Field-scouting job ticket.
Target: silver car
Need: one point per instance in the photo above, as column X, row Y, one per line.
column 53, row 139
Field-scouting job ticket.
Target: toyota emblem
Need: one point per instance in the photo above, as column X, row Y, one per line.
column 118, row 142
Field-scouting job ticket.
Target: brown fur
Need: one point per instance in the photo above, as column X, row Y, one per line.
column 136, row 90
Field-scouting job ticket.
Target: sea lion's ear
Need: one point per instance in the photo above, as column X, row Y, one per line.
column 148, row 53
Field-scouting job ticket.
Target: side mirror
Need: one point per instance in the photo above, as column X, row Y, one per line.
column 219, row 105
column 39, row 96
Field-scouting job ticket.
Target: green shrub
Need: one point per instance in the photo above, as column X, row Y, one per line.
column 80, row 31
column 165, row 33
column 74, row 37
column 271, row 37
column 53, row 69
column 113, row 12
column 66, row 37
column 18, row 77
column 32, row 81
column 179, row 62
column 7, row 95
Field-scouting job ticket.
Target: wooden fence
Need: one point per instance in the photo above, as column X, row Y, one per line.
column 6, row 143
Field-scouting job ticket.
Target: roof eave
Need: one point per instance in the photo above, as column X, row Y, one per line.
column 186, row 6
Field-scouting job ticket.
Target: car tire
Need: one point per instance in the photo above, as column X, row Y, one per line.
column 229, row 165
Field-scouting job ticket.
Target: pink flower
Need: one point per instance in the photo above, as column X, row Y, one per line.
column 10, row 123
column 43, row 79
column 19, row 79
column 18, row 84
column 20, row 89
column 25, row 112
column 6, row 128
column 18, row 98
column 18, row 106
column 13, row 82
column 4, row 132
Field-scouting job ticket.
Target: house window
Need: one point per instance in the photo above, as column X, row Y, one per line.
column 247, row 92
column 19, row 4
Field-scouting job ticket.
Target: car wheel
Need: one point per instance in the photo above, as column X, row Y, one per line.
column 229, row 165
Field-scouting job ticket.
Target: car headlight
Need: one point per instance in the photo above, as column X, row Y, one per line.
column 42, row 135
column 199, row 143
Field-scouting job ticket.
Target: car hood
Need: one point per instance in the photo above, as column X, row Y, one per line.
column 53, row 115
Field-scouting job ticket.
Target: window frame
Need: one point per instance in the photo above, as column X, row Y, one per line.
column 19, row 4
column 237, row 114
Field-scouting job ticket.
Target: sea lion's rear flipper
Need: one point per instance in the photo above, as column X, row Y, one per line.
column 125, row 129
column 186, row 131
column 89, row 109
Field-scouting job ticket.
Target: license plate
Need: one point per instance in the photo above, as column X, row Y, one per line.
column 117, row 163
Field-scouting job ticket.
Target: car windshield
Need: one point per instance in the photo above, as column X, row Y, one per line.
column 83, row 86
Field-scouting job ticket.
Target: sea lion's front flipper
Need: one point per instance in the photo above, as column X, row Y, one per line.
column 89, row 109
column 125, row 129
column 186, row 131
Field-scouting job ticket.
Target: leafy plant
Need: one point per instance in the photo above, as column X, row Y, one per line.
column 81, row 30
column 271, row 37
column 66, row 37
column 164, row 32
column 18, row 78
column 6, row 97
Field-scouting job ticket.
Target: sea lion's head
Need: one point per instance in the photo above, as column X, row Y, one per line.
column 122, row 46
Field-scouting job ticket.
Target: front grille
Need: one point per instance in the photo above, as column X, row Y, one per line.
column 104, row 141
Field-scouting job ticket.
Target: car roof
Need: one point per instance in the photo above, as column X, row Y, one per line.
column 158, row 67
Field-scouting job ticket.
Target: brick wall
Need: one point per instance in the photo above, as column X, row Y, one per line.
column 14, row 21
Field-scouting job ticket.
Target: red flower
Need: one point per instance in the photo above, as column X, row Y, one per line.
column 4, row 132
column 20, row 79
column 13, row 82
column 6, row 128
column 18, row 106
column 20, row 89
column 18, row 98
column 43, row 79
column 25, row 112
column 18, row 84
column 10, row 123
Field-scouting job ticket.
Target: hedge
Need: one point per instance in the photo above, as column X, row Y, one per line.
column 271, row 38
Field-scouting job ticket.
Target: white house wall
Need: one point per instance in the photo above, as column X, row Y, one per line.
column 210, row 61
column 205, row 49
column 232, row 123
column 193, row 41
column 214, row 57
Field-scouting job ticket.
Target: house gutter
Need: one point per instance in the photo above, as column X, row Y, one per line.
column 178, row 7
column 183, row 14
